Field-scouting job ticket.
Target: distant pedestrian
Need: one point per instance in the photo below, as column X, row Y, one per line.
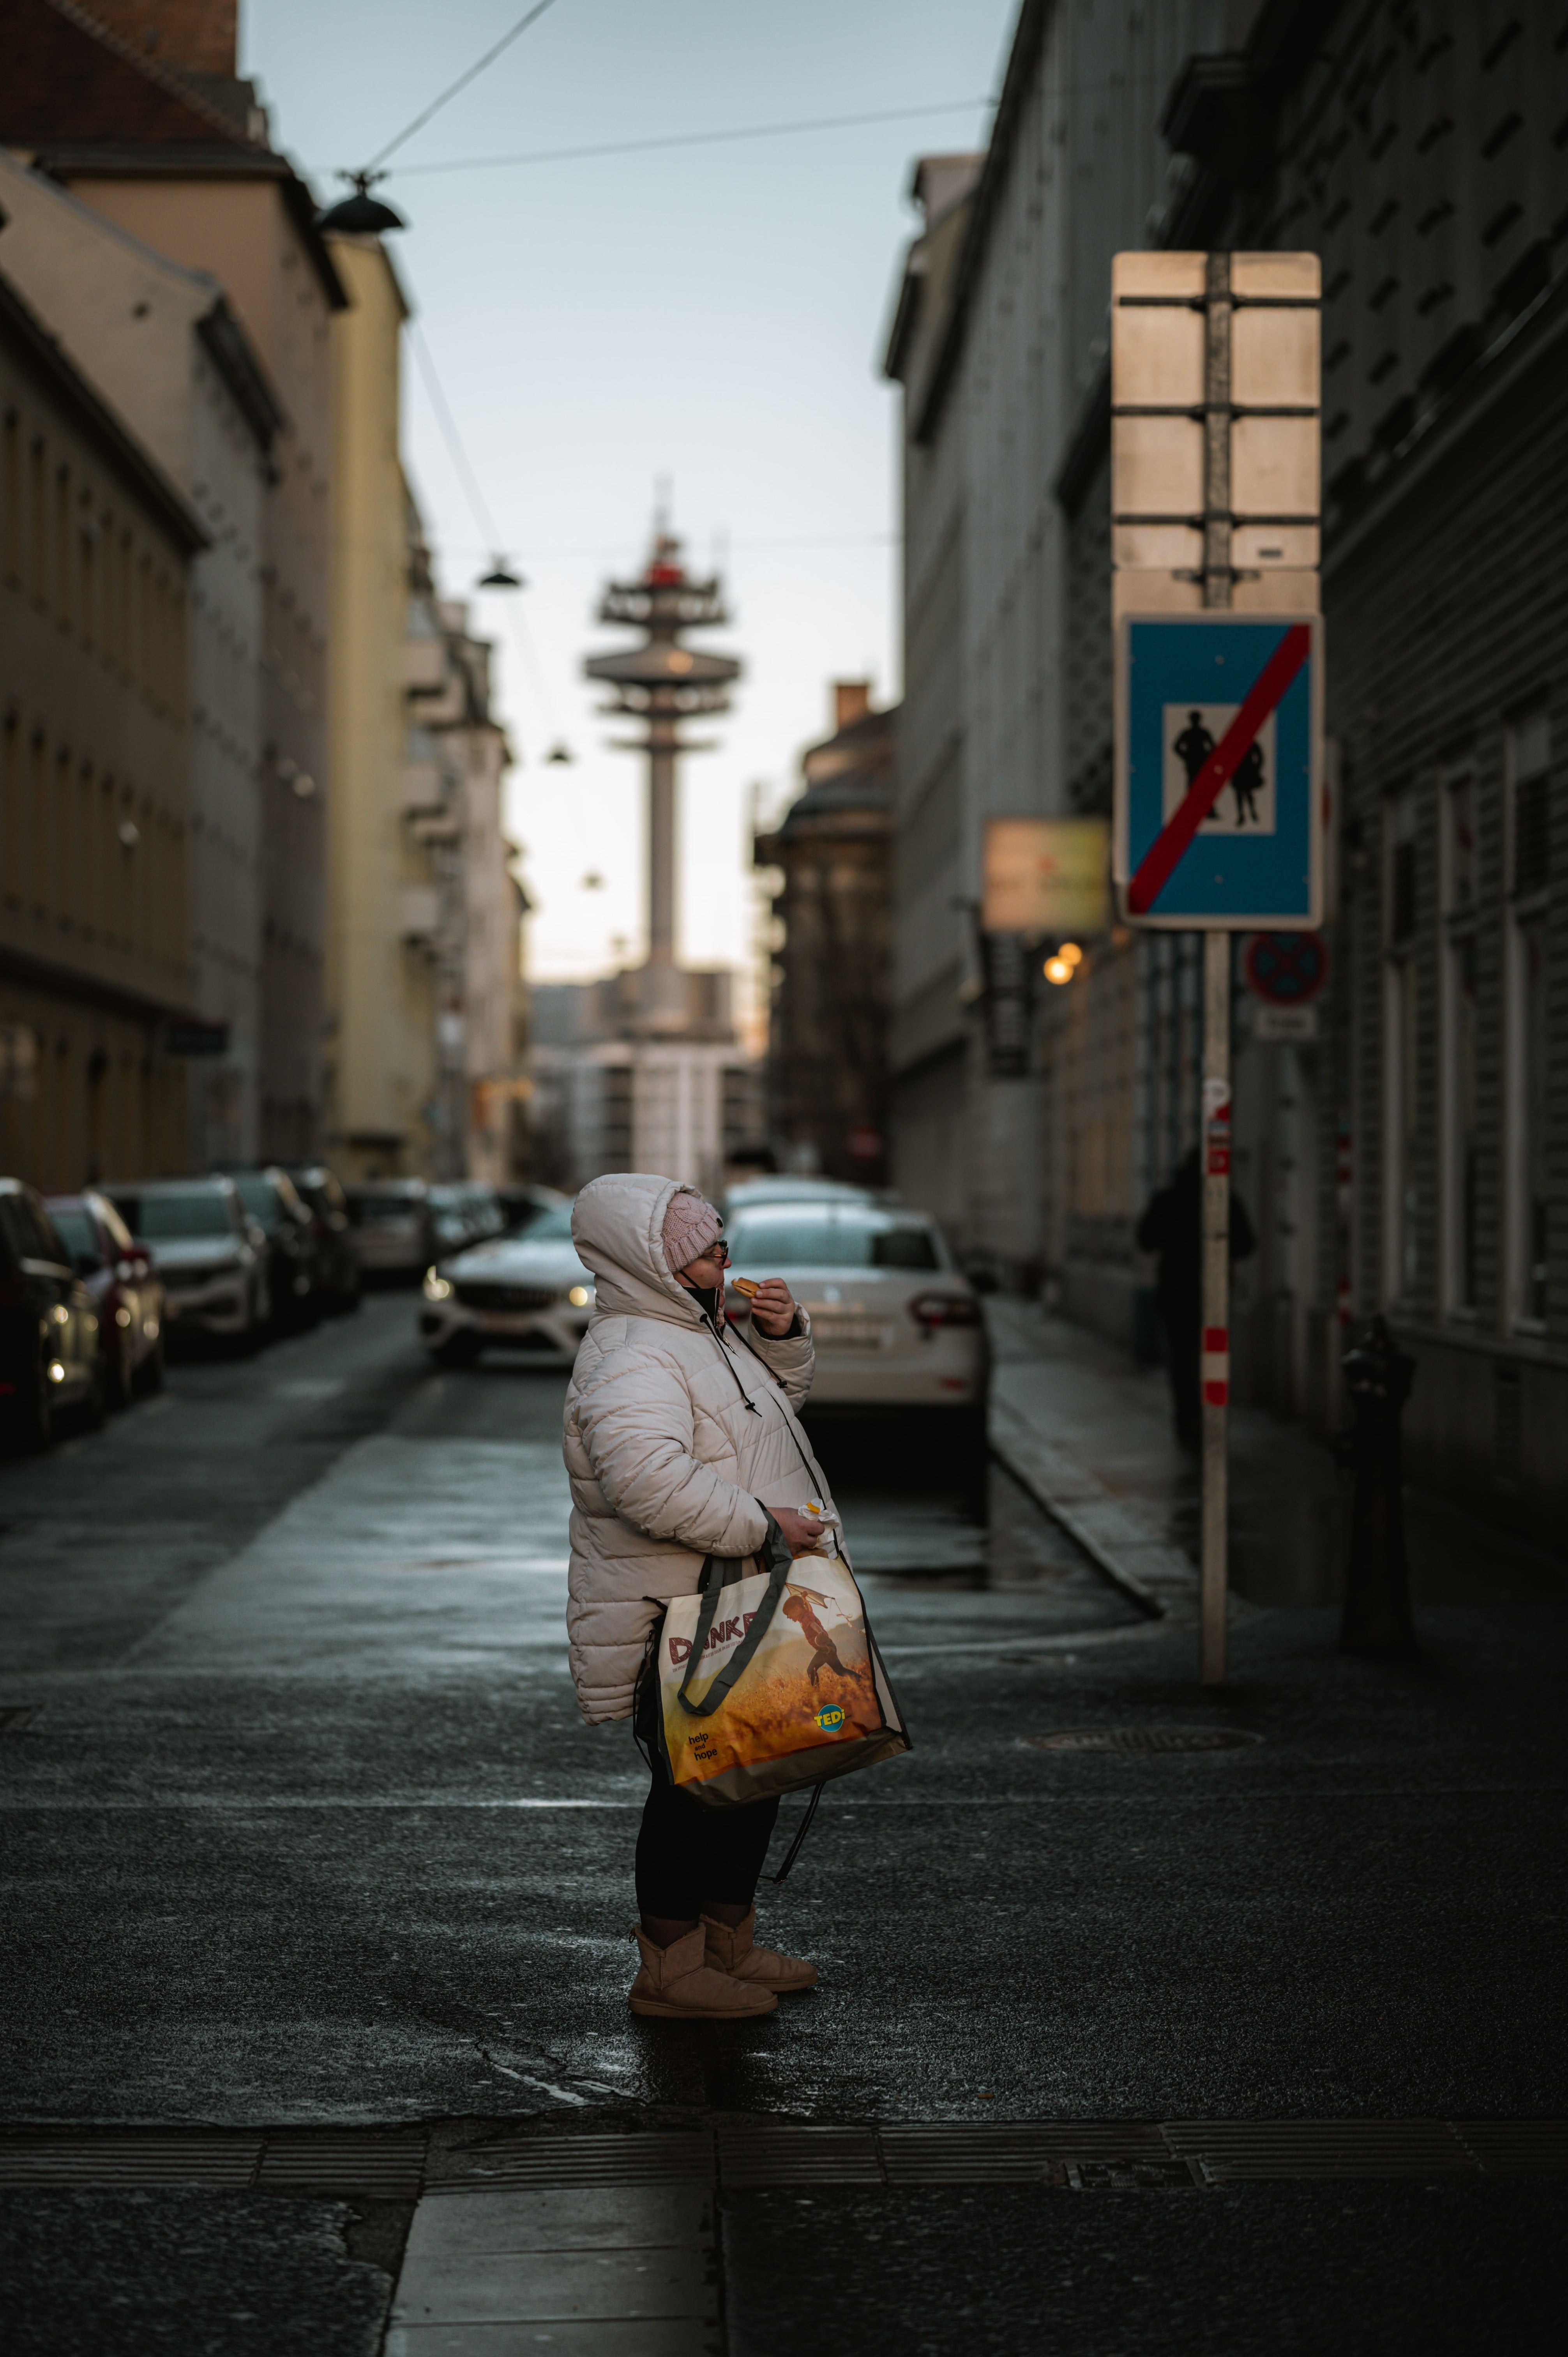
column 677, row 1436
column 1172, row 1228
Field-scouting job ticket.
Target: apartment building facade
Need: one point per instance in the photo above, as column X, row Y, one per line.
column 165, row 350
column 96, row 545
column 1413, row 1158
column 139, row 112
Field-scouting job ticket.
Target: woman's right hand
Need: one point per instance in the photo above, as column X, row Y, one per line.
column 803, row 1533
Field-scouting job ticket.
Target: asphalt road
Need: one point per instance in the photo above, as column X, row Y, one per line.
column 307, row 1830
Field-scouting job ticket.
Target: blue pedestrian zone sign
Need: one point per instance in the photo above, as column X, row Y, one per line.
column 1218, row 822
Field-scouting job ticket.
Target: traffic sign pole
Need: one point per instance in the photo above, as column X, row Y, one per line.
column 1215, row 400
column 1214, row 1343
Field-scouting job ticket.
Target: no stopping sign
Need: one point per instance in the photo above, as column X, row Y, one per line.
column 1285, row 969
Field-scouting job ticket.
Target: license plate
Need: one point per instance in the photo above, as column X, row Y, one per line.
column 846, row 1333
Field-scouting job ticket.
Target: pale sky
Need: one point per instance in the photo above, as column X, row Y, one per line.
column 715, row 314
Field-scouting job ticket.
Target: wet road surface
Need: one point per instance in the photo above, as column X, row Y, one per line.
column 307, row 1830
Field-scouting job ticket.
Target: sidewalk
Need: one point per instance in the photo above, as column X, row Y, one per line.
column 1089, row 1434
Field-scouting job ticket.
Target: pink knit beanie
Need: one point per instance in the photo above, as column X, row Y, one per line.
column 690, row 1226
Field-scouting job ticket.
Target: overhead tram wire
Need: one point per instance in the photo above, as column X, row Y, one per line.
column 473, row 73
column 364, row 214
column 479, row 508
column 694, row 138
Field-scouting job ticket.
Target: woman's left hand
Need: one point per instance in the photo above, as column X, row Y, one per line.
column 773, row 1306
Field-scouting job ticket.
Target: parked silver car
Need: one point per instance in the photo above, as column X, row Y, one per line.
column 211, row 1256
column 389, row 1226
column 528, row 1292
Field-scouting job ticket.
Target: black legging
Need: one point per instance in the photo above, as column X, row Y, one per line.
column 690, row 1855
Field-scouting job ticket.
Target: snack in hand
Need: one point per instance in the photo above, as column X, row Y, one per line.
column 746, row 1285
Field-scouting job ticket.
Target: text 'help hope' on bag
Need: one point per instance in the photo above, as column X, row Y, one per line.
column 772, row 1680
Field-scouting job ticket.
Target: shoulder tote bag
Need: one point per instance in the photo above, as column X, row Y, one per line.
column 771, row 1679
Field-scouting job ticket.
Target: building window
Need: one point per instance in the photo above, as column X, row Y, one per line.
column 1527, row 778
column 1461, row 1051
column 1401, row 1063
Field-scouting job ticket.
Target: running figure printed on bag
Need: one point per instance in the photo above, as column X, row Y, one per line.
column 798, row 1603
column 1246, row 803
column 811, row 1683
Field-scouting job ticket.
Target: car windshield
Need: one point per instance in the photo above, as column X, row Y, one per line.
column 189, row 1212
column 826, row 1237
column 378, row 1210
column 79, row 1236
column 262, row 1198
column 552, row 1227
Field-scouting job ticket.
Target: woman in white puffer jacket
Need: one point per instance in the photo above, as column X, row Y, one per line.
column 677, row 1436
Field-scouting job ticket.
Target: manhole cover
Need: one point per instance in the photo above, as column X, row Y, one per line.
column 1145, row 1738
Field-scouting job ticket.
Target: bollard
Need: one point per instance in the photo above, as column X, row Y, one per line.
column 1378, row 1618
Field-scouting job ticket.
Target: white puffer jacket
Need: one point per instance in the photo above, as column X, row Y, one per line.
column 673, row 1437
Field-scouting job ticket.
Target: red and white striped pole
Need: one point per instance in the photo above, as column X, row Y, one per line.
column 1213, row 1367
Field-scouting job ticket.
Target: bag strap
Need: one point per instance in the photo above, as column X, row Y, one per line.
column 775, row 1553
column 793, row 1852
column 795, row 1429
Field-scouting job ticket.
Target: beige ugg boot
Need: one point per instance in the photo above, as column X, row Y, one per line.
column 731, row 1949
column 677, row 1984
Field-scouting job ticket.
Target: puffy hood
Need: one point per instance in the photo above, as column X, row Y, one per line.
column 617, row 1224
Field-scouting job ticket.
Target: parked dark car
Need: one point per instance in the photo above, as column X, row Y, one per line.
column 521, row 1206
column 211, row 1256
column 339, row 1263
column 50, row 1359
column 295, row 1277
column 463, row 1212
column 124, row 1287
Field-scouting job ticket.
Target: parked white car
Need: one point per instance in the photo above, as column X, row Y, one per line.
column 528, row 1292
column 896, row 1322
column 210, row 1255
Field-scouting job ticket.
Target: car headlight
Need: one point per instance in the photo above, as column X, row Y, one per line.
column 580, row 1295
column 436, row 1286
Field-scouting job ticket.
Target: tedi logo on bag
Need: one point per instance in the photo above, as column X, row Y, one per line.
column 722, row 1634
column 830, row 1718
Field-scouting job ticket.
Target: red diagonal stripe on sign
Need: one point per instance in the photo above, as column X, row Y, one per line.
column 1154, row 869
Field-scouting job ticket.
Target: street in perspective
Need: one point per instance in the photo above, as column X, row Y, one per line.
column 783, row 1536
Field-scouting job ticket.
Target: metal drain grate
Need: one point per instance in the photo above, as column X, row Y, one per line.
column 390, row 2166
column 14, row 1717
column 132, row 2156
column 679, row 2158
column 962, row 2152
column 1082, row 2155
column 1145, row 1738
column 1229, row 2151
column 1516, row 2147
column 385, row 2162
column 798, row 2156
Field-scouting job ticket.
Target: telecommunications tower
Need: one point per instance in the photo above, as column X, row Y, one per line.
column 663, row 683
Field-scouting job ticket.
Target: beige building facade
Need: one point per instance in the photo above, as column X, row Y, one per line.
column 386, row 642
column 167, row 351
column 96, row 544
column 139, row 112
column 424, row 971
